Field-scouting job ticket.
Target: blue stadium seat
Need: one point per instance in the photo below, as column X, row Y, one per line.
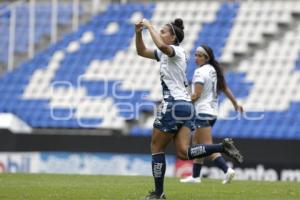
column 215, row 31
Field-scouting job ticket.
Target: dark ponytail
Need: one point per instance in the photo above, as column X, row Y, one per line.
column 221, row 84
column 179, row 23
column 176, row 29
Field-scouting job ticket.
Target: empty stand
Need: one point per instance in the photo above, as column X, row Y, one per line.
column 42, row 24
column 93, row 78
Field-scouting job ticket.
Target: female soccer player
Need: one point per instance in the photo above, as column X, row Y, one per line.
column 208, row 82
column 175, row 120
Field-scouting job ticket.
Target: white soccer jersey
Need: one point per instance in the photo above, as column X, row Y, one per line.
column 208, row 101
column 173, row 75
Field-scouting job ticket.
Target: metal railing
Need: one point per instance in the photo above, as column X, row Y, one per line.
column 12, row 14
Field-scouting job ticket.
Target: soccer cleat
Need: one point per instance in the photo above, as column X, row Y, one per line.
column 153, row 195
column 229, row 176
column 190, row 179
column 231, row 150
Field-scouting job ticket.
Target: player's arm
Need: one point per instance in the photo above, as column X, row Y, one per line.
column 198, row 88
column 141, row 49
column 227, row 91
column 166, row 49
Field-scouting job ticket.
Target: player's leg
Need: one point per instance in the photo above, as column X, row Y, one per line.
column 182, row 142
column 197, row 165
column 203, row 125
column 217, row 158
column 203, row 150
column 205, row 137
column 159, row 142
column 185, row 152
column 183, row 113
column 160, row 139
column 198, row 139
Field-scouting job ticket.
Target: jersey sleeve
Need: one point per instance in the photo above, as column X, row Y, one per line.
column 199, row 77
column 177, row 52
column 157, row 54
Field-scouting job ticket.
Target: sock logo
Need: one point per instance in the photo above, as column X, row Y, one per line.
column 198, row 150
column 157, row 170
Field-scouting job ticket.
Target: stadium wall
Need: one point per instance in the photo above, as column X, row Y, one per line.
column 264, row 159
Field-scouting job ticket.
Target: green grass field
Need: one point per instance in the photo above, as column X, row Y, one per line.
column 73, row 187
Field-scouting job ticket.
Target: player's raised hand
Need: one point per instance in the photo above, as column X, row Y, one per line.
column 138, row 26
column 146, row 23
